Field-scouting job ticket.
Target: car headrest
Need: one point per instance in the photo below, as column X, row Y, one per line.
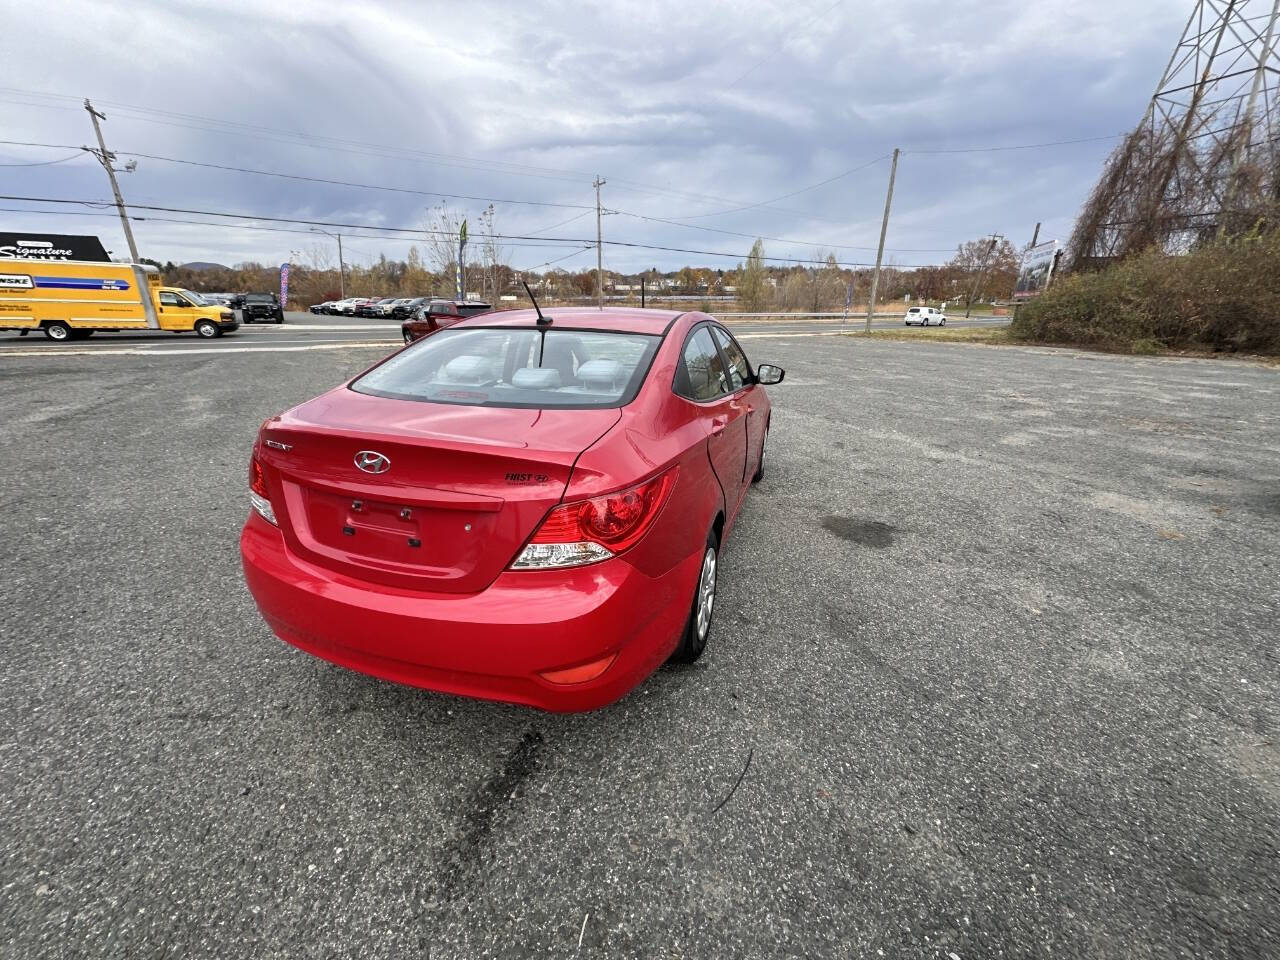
column 536, row 378
column 469, row 368
column 600, row 373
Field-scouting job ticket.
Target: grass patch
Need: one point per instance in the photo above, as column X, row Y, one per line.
column 996, row 335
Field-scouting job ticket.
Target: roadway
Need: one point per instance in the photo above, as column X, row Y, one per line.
column 304, row 331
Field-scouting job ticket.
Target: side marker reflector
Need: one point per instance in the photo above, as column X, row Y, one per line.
column 588, row 671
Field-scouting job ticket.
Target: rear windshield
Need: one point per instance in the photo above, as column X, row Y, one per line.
column 505, row 367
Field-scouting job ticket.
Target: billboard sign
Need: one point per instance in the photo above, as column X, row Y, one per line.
column 1036, row 271
column 51, row 246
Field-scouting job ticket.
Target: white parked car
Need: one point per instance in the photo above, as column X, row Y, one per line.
column 925, row 317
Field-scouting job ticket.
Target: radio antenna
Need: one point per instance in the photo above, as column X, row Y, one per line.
column 542, row 321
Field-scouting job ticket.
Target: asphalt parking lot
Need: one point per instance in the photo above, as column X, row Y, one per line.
column 995, row 672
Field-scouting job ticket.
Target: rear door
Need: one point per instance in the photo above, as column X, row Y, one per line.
column 742, row 382
column 704, row 379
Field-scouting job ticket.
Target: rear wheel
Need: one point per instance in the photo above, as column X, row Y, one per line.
column 58, row 330
column 208, row 329
column 694, row 639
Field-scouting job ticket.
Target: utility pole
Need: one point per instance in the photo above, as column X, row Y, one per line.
column 599, row 249
column 342, row 270
column 884, row 227
column 105, row 157
column 1035, row 236
column 982, row 272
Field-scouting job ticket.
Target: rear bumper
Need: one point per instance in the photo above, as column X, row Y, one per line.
column 493, row 645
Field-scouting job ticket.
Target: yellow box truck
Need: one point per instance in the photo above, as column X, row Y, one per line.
column 73, row 299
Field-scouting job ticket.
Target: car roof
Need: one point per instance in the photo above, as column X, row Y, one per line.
column 622, row 319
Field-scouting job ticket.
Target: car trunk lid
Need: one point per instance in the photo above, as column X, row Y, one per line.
column 462, row 490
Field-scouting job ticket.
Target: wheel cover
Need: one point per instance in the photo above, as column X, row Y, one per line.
column 706, row 593
column 59, row 333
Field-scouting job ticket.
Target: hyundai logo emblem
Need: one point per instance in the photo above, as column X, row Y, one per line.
column 371, row 461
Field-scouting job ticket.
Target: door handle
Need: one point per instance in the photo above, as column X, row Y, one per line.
column 718, row 425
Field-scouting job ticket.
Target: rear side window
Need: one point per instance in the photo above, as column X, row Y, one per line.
column 702, row 375
column 739, row 369
column 516, row 367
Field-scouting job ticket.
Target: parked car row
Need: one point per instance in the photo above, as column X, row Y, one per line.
column 374, row 307
column 425, row 313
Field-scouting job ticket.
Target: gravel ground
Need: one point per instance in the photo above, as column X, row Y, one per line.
column 995, row 663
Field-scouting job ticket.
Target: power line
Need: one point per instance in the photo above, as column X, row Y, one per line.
column 46, row 163
column 786, row 35
column 757, row 236
column 240, row 226
column 1019, row 146
column 309, row 179
column 813, row 186
column 556, row 260
column 350, row 183
column 421, row 231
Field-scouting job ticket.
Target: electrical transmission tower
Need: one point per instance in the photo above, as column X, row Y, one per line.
column 1205, row 160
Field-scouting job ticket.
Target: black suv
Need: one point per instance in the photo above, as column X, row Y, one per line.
column 261, row 308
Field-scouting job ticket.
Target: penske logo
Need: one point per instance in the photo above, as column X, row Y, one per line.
column 15, row 281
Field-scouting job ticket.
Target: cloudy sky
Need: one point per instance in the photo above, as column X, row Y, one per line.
column 729, row 120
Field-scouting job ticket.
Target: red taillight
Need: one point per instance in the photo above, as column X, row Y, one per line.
column 257, row 479
column 259, row 499
column 588, row 531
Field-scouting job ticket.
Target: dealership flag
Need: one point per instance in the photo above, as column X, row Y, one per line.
column 284, row 284
column 462, row 247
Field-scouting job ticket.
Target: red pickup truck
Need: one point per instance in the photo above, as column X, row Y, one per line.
column 436, row 314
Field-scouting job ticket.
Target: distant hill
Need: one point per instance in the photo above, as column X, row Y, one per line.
column 202, row 265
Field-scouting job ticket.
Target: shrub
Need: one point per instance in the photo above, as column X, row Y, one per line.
column 1225, row 296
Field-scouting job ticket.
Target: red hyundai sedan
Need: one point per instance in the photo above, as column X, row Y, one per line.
column 518, row 508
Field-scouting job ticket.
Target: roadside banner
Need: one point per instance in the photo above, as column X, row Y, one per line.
column 284, row 285
column 1037, row 269
column 848, row 299
column 462, row 249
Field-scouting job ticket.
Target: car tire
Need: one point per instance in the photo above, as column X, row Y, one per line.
column 759, row 474
column 698, row 627
column 408, row 337
column 58, row 330
column 207, row 329
column 280, row 318
column 942, row 322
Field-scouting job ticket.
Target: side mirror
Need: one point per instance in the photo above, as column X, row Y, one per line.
column 768, row 374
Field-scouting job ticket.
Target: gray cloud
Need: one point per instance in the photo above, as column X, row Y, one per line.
column 544, row 96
